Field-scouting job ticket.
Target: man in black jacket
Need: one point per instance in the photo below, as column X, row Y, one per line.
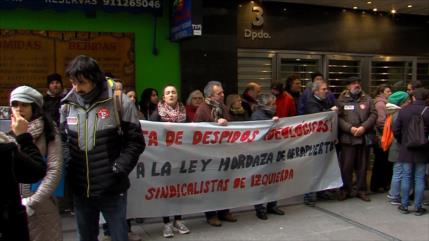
column 52, row 99
column 103, row 140
column 413, row 160
column 23, row 165
column 356, row 119
column 318, row 102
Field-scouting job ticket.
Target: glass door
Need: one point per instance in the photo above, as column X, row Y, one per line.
column 339, row 69
column 423, row 71
column 300, row 64
column 255, row 67
column 393, row 71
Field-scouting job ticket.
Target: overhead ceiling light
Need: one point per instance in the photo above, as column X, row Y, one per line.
column 375, row 9
column 393, row 11
column 369, row 2
column 354, row 7
column 410, row 6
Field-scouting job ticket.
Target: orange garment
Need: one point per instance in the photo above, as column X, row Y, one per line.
column 387, row 136
column 285, row 105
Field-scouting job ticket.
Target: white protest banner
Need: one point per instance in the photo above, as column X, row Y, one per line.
column 196, row 167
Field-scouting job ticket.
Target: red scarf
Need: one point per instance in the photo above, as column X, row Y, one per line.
column 170, row 114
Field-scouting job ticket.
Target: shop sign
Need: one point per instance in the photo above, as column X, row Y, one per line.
column 136, row 6
column 28, row 56
column 256, row 31
column 185, row 20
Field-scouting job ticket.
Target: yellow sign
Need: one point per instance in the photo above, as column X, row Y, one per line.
column 27, row 57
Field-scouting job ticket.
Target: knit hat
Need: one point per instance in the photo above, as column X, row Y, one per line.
column 53, row 77
column 26, row 94
column 398, row 98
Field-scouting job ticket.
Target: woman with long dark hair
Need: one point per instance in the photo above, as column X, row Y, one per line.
column 148, row 102
column 23, row 164
column 44, row 220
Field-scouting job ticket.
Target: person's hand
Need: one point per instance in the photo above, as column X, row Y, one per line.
column 334, row 108
column 353, row 130
column 222, row 122
column 360, row 131
column 18, row 124
column 28, row 209
column 275, row 118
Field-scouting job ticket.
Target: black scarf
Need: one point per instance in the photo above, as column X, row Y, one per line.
column 89, row 98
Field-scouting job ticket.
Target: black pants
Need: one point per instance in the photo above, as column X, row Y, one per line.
column 381, row 170
column 219, row 213
column 261, row 208
column 354, row 158
column 106, row 231
column 167, row 219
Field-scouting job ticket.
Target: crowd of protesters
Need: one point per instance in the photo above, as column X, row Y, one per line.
column 56, row 123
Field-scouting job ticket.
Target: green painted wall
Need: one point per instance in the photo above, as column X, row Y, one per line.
column 151, row 71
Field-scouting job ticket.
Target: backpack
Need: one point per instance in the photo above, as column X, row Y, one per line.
column 117, row 102
column 387, row 136
column 415, row 135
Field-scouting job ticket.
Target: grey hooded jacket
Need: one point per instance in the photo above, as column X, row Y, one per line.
column 99, row 157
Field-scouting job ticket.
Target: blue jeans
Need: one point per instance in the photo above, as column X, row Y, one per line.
column 419, row 183
column 114, row 210
column 395, row 184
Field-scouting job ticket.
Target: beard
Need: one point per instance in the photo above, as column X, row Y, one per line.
column 322, row 97
column 356, row 91
column 57, row 91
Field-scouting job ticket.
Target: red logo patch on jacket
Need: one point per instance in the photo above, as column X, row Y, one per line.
column 103, row 113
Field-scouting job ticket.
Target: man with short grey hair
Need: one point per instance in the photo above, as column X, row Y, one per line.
column 214, row 110
column 308, row 92
column 318, row 102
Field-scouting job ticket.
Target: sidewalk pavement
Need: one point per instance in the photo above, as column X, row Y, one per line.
column 351, row 219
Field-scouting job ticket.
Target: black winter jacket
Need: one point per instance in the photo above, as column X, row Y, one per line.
column 355, row 113
column 99, row 159
column 261, row 114
column 315, row 105
column 17, row 166
column 52, row 105
column 400, row 129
